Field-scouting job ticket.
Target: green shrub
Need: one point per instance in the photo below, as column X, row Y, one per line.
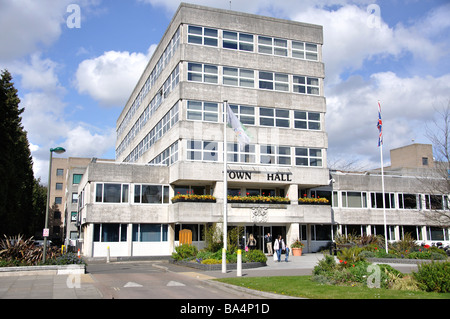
column 256, row 256
column 211, row 261
column 185, row 251
column 349, row 256
column 434, row 276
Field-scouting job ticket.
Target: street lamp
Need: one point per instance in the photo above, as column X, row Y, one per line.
column 57, row 150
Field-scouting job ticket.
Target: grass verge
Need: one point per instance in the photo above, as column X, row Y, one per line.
column 303, row 287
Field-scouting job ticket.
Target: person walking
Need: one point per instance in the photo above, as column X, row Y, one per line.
column 268, row 239
column 279, row 246
column 251, row 243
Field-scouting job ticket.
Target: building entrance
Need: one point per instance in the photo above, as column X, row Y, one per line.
column 259, row 232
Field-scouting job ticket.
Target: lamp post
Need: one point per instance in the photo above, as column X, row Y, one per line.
column 58, row 150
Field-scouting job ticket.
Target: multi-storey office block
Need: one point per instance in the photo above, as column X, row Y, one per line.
column 170, row 136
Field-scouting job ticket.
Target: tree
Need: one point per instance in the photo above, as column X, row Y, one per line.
column 16, row 166
column 438, row 182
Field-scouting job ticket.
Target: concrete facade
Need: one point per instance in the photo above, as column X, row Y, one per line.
column 170, row 142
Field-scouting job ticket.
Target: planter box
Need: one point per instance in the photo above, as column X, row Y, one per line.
column 193, row 201
column 43, row 270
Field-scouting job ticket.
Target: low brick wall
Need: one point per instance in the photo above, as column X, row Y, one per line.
column 43, row 270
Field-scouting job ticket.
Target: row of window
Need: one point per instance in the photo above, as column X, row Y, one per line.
column 114, row 232
column 120, row 193
column 255, row 154
column 170, row 84
column 155, row 134
column 351, row 199
column 149, row 83
column 166, row 157
column 208, row 73
column 252, row 43
column 250, row 115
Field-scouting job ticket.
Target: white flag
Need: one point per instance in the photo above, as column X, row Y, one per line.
column 239, row 129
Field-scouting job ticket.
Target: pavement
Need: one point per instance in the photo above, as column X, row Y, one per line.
column 84, row 286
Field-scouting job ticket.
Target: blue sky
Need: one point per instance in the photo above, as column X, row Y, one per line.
column 74, row 82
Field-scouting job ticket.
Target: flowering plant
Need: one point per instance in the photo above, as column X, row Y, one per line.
column 320, row 201
column 297, row 244
column 259, row 199
column 193, row 198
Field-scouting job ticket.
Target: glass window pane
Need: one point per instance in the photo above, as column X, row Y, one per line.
column 195, row 30
column 245, row 37
column 194, row 105
column 99, row 193
column 265, row 111
column 111, row 193
column 230, row 35
column 265, row 75
column 264, row 40
column 152, row 194
column 150, row 232
column 210, row 32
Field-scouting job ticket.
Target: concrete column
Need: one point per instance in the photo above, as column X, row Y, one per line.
column 292, row 193
column 130, row 239
column 292, row 233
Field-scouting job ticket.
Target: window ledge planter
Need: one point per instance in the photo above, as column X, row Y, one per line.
column 258, row 200
column 193, row 198
column 313, row 201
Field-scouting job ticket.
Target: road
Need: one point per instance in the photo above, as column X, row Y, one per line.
column 153, row 280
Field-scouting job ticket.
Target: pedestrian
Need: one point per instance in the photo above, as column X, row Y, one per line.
column 279, row 246
column 268, row 239
column 251, row 243
column 286, row 257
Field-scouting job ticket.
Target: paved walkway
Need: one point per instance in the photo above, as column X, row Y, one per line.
column 45, row 286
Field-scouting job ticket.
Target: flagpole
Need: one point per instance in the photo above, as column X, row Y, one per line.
column 380, row 142
column 225, row 188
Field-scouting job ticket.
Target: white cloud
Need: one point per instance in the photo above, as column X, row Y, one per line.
column 407, row 104
column 111, row 77
column 29, row 24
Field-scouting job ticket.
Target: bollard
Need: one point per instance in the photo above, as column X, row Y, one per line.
column 239, row 263
column 62, row 249
column 224, row 260
column 79, row 254
column 107, row 254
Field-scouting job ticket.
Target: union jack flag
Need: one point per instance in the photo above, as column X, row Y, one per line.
column 380, row 126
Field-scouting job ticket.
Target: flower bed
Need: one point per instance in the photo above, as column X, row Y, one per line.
column 259, row 199
column 313, row 201
column 193, row 198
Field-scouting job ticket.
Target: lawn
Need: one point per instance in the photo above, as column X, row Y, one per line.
column 302, row 286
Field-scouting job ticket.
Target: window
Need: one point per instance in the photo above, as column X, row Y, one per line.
column 245, row 114
column 270, row 154
column 202, row 73
column 150, row 232
column 238, row 77
column 76, row 178
column 151, row 194
column 200, row 35
column 433, row 202
column 407, row 201
column 307, row 120
column 56, row 214
column 306, row 85
column 58, row 200
column 167, row 157
column 59, row 172
column 237, row 41
column 74, row 198
column 308, row 157
column 110, row 232
column 274, row 46
column 59, row 186
column 377, row 200
column 73, row 216
column 273, row 81
column 237, row 155
column 273, row 117
column 425, row 161
column 111, row 193
column 202, row 111
column 202, row 151
column 305, row 51
column 354, row 199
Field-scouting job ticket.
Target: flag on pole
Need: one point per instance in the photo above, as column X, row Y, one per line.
column 380, row 126
column 239, row 129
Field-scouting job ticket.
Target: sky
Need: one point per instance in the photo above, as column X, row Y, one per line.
column 76, row 62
